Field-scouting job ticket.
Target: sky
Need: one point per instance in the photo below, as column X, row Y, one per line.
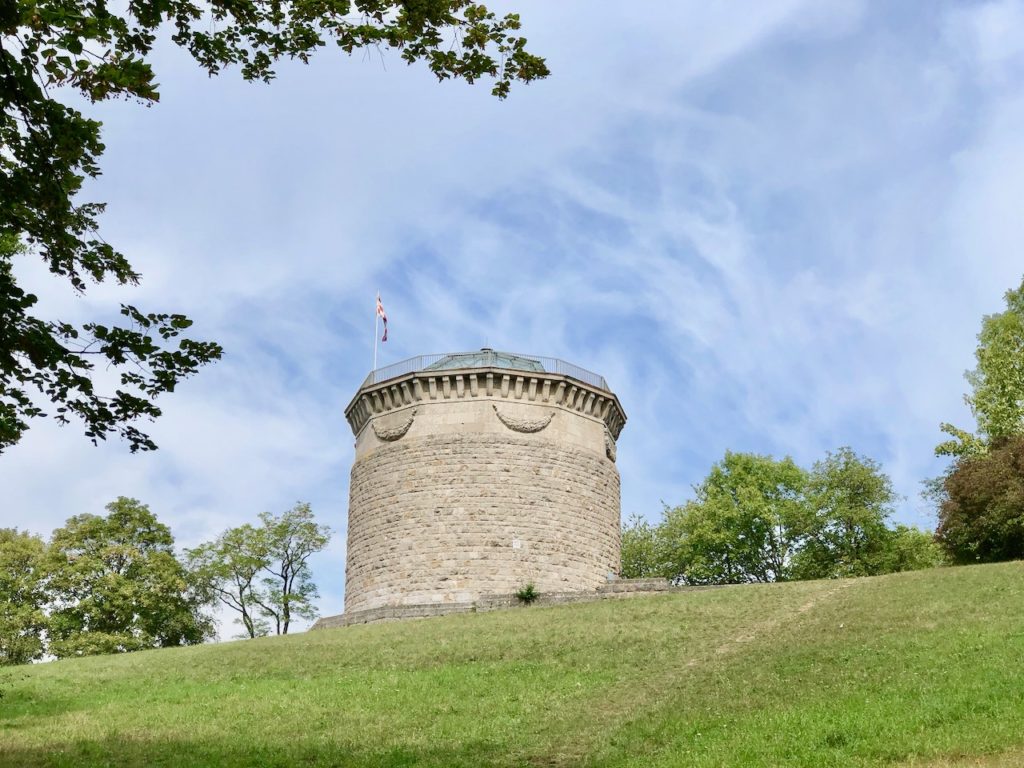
column 772, row 228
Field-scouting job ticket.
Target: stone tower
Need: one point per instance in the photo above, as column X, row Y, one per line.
column 478, row 473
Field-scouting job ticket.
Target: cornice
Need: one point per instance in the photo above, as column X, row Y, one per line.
column 550, row 389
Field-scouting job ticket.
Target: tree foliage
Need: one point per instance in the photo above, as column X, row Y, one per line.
column 981, row 514
column 290, row 539
column 744, row 524
column 55, row 360
column 262, row 572
column 997, row 383
column 22, row 597
column 910, row 549
column 228, row 570
column 850, row 499
column 115, row 585
column 102, row 50
column 640, row 550
column 759, row 519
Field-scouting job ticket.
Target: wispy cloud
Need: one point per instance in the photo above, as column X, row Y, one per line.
column 771, row 231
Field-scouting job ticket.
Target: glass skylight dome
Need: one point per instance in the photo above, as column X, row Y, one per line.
column 486, row 358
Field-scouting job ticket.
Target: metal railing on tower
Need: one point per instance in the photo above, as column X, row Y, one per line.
column 485, row 358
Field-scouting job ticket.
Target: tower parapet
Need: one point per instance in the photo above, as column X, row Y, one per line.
column 477, row 473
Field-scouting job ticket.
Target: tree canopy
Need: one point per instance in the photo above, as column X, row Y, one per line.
column 997, row 383
column 759, row 519
column 102, row 50
column 290, row 539
column 22, row 597
column 850, row 499
column 229, row 569
column 981, row 511
column 640, row 551
column 744, row 524
column 262, row 572
column 115, row 585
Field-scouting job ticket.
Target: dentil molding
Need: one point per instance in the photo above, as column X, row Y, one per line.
column 557, row 391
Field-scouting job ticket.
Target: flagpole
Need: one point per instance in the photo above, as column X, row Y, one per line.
column 376, row 321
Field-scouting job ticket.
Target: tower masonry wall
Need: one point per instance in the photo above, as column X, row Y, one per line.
column 479, row 490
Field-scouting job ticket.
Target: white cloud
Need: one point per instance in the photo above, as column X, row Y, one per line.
column 771, row 231
column 991, row 36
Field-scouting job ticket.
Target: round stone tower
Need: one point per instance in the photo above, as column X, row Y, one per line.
column 478, row 473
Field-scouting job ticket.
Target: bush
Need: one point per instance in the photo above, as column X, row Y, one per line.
column 527, row 594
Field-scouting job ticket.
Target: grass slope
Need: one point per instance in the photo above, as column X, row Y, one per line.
column 920, row 669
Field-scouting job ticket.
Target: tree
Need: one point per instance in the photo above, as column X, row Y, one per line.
column 758, row 519
column 997, row 383
column 228, row 569
column 640, row 551
column 54, row 360
column 22, row 597
column 101, row 50
column 289, row 542
column 745, row 525
column 116, row 585
column 981, row 514
column 278, row 552
column 908, row 548
column 850, row 499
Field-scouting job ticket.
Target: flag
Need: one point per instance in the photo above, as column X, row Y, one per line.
column 383, row 316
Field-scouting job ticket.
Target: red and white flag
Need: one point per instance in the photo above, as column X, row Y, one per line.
column 383, row 316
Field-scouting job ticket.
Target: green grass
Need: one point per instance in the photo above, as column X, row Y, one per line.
column 921, row 669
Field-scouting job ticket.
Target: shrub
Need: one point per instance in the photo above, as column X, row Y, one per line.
column 527, row 594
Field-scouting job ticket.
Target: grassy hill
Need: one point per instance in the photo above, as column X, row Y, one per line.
column 919, row 669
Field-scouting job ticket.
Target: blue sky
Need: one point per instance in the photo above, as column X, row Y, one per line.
column 772, row 228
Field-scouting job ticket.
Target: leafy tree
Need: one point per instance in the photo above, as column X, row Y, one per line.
column 278, row 552
column 50, row 48
column 910, row 549
column 290, row 540
column 55, row 360
column 116, row 585
column 981, row 516
column 757, row 519
column 851, row 499
column 997, row 382
column 22, row 597
column 228, row 571
column 745, row 525
column 640, row 550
